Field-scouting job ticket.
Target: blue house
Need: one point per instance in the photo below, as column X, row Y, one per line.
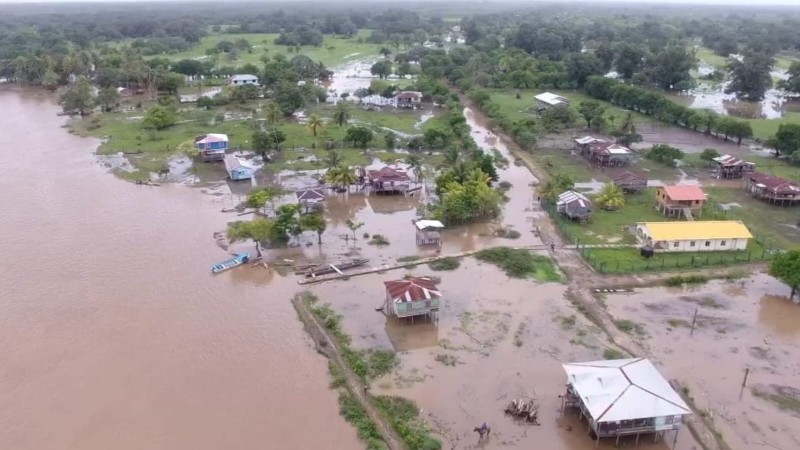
column 212, row 146
column 236, row 171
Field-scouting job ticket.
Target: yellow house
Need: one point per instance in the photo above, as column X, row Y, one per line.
column 699, row 236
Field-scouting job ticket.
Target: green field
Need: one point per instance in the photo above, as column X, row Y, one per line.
column 334, row 51
column 149, row 150
column 766, row 128
column 706, row 55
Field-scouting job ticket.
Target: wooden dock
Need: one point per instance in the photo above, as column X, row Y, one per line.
column 403, row 265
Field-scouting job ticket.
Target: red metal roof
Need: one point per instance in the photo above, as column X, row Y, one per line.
column 387, row 174
column 684, row 193
column 412, row 290
column 775, row 184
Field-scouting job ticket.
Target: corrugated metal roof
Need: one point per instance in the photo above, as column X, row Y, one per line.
column 412, row 290
column 551, row 99
column 214, row 137
column 697, row 230
column 423, row 224
column 571, row 196
column 387, row 173
column 624, row 389
column 310, row 195
column 588, row 140
column 775, row 184
column 244, row 77
column 684, row 193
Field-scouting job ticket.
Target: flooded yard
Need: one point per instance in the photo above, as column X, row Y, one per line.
column 744, row 325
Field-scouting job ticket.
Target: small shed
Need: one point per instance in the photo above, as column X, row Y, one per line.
column 772, row 189
column 728, row 166
column 548, row 100
column 212, row 146
column 243, row 79
column 574, row 205
column 124, row 92
column 236, row 170
column 429, row 232
column 629, row 182
column 623, row 397
column 310, row 198
column 411, row 297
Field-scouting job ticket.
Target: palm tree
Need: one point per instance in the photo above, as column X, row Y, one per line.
column 273, row 113
column 610, row 197
column 627, row 126
column 315, row 125
column 415, row 164
column 342, row 114
column 334, row 159
column 451, row 155
column 341, row 176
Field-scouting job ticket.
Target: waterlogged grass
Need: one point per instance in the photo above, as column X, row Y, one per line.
column 445, row 264
column 520, row 263
column 778, row 167
column 706, row 55
column 352, row 411
column 766, row 128
column 680, row 280
column 333, row 51
column 403, row 416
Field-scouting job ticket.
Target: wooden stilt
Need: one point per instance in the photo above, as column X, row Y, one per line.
column 675, row 441
column 616, row 444
column 637, row 438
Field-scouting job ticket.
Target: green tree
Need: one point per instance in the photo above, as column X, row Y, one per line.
column 664, row 154
column 451, row 155
column 669, row 67
column 158, row 118
column 415, row 164
column 627, row 135
column 610, row 197
column 709, row 154
column 354, row 226
column 205, row 102
column 342, row 114
column 341, row 176
column 385, row 52
column 382, row 69
column 556, row 185
column 630, row 60
column 358, row 136
column 710, row 119
column 334, row 159
column 78, row 97
column 259, row 197
column 289, row 97
column 315, row 126
column 473, row 199
column 170, row 82
column 742, row 129
column 792, row 83
column 244, row 93
column 592, row 111
column 313, row 222
column 390, row 139
column 785, row 267
column 787, row 140
column 750, row 77
column 580, row 66
column 558, row 118
column 287, row 222
column 273, row 113
column 107, row 98
column 262, row 231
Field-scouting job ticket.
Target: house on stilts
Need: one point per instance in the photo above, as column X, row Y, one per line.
column 412, row 297
column 388, row 180
column 772, row 189
column 677, row 201
column 429, row 232
column 624, row 397
column 629, row 182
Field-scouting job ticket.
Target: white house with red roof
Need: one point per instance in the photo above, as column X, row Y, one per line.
column 411, row 297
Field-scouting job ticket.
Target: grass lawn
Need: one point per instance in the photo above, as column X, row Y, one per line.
column 706, row 55
column 334, row 51
column 765, row 128
column 123, row 132
column 784, row 61
column 778, row 167
column 518, row 108
column 556, row 161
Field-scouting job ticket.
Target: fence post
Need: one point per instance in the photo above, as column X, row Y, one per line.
column 603, row 267
column 663, row 261
column 617, row 266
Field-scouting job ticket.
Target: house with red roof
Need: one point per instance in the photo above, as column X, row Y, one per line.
column 680, row 201
column 412, row 297
column 772, row 189
column 388, row 180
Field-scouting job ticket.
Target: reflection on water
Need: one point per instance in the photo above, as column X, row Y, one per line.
column 779, row 315
column 407, row 335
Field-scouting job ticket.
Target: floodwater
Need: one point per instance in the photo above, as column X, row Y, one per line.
column 746, row 324
column 687, row 140
column 489, row 346
column 774, row 105
column 114, row 333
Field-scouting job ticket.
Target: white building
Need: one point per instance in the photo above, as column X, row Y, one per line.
column 623, row 397
column 243, row 79
column 548, row 100
column 694, row 236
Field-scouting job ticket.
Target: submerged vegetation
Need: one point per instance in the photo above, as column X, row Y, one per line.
column 520, row 263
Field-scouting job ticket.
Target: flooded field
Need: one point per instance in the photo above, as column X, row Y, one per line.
column 741, row 325
column 687, row 140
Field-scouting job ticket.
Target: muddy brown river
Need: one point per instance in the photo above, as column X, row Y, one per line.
column 113, row 332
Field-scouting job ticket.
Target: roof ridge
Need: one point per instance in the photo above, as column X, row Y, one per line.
column 650, row 392
column 611, row 405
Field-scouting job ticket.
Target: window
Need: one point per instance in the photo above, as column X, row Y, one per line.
column 675, row 244
column 722, row 243
column 708, row 243
column 691, row 244
column 668, row 420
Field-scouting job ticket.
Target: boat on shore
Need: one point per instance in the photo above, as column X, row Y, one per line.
column 237, row 260
column 325, row 269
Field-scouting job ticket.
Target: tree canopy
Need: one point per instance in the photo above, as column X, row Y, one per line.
column 786, row 267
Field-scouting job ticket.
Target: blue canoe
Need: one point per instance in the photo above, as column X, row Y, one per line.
column 237, row 260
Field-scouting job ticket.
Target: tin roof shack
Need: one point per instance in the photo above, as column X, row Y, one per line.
column 604, row 154
column 624, row 397
column 236, row 170
column 677, row 201
column 629, row 182
column 243, row 79
column 388, row 180
column 728, row 166
column 547, row 100
column 429, row 232
column 311, row 199
column 212, row 146
column 408, row 99
column 699, row 236
column 574, row 205
column 774, row 190
column 412, row 297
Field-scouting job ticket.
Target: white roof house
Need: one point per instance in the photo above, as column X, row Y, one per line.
column 426, row 224
column 624, row 389
column 588, row 140
column 213, row 137
column 240, row 79
column 548, row 98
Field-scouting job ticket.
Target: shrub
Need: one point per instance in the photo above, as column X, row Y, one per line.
column 611, row 353
column 519, row 263
column 379, row 240
column 403, row 415
column 688, row 279
column 445, row 264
